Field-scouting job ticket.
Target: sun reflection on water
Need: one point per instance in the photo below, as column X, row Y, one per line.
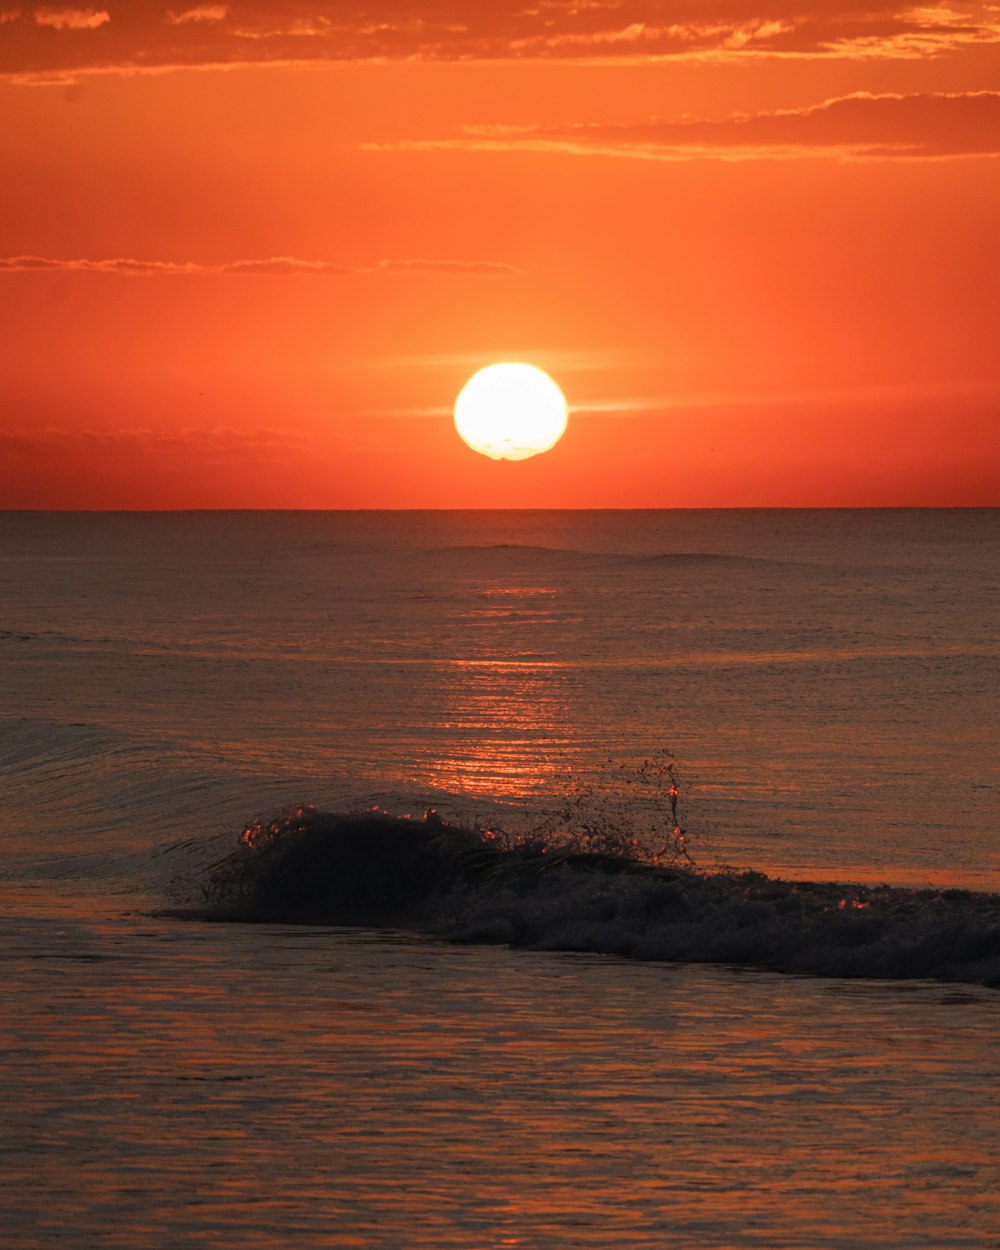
column 508, row 714
column 510, row 725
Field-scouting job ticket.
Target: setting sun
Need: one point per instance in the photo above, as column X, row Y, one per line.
column 510, row 412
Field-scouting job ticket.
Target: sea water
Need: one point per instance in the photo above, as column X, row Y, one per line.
column 826, row 685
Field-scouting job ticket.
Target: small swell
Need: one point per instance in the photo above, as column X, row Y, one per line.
column 523, row 549
column 692, row 559
column 676, row 559
column 372, row 868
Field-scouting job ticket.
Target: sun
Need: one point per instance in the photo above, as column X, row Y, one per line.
column 510, row 412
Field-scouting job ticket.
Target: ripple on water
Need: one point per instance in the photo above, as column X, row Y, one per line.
column 178, row 1084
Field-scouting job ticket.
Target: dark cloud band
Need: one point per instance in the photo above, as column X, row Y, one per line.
column 40, row 40
column 858, row 126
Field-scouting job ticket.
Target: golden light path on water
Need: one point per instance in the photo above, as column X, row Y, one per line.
column 515, row 729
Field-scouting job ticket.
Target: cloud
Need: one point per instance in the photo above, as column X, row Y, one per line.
column 201, row 13
column 226, row 441
column 899, row 393
column 422, row 264
column 120, row 265
column 902, row 394
column 858, row 126
column 557, row 360
column 145, row 37
column 131, row 267
column 72, row 19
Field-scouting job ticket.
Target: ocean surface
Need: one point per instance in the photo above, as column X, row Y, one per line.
column 824, row 685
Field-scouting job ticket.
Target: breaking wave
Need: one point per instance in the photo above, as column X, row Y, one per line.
column 466, row 885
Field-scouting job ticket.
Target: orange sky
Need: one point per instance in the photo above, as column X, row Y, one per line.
column 249, row 252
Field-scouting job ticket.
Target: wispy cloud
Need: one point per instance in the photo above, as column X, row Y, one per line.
column 71, row 19
column 572, row 360
column 212, row 441
column 645, row 405
column 200, row 13
column 273, row 265
column 423, row 264
column 639, row 405
column 859, row 126
column 148, row 38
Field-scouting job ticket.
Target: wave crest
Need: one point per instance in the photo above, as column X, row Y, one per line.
column 374, row 868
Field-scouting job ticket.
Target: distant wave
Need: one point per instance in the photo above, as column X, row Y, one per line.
column 686, row 558
column 706, row 557
column 523, row 549
column 374, row 868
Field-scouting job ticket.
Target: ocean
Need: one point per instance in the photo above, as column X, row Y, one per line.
column 822, row 685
